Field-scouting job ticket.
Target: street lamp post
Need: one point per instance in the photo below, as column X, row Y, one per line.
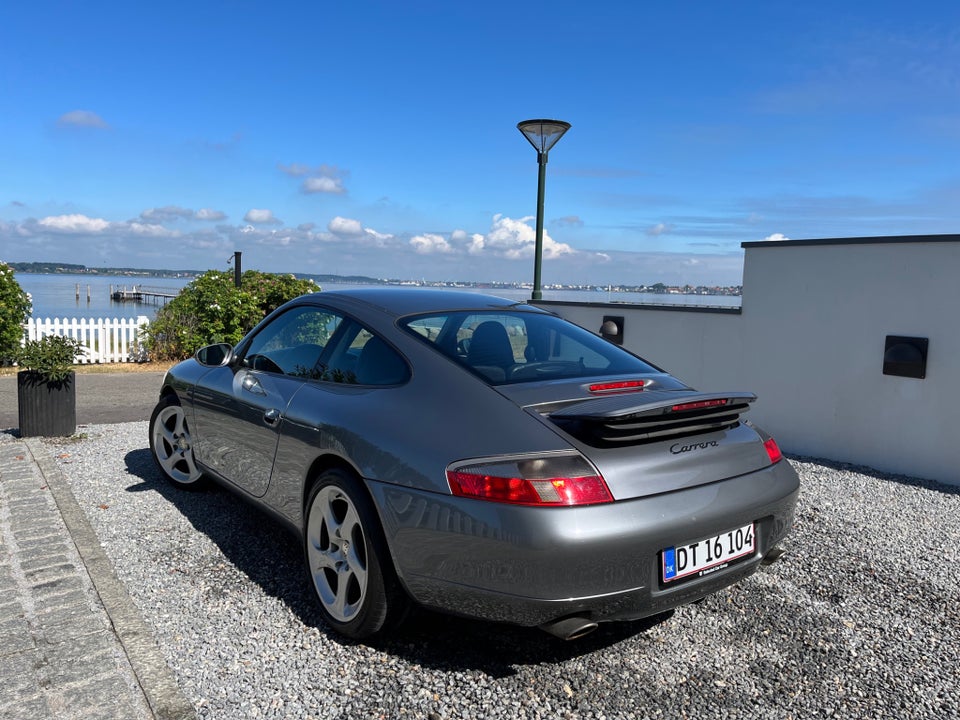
column 543, row 135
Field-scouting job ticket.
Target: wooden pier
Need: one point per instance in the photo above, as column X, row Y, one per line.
column 142, row 294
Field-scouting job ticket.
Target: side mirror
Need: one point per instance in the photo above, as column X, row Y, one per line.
column 215, row 355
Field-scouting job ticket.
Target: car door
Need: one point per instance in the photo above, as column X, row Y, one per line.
column 239, row 410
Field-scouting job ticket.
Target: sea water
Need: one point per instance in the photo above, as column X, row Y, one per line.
column 89, row 296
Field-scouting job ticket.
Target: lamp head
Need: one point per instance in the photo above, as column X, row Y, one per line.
column 543, row 134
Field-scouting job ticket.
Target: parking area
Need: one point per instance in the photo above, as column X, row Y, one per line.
column 860, row 619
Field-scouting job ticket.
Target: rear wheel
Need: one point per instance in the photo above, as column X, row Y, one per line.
column 348, row 561
column 171, row 443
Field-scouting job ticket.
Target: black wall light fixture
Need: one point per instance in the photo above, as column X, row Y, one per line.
column 612, row 328
column 905, row 356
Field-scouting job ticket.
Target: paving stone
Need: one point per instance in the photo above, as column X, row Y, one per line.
column 38, row 543
column 70, row 598
column 10, row 606
column 33, row 525
column 99, row 698
column 52, row 588
column 80, row 659
column 42, row 561
column 15, row 636
column 34, row 707
column 74, row 627
column 50, row 574
column 19, row 673
column 60, row 657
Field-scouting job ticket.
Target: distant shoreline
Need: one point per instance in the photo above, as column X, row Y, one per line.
column 137, row 273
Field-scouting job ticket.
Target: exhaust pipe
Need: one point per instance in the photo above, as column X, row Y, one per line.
column 774, row 554
column 569, row 628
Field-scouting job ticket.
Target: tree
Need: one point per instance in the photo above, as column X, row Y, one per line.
column 211, row 309
column 15, row 307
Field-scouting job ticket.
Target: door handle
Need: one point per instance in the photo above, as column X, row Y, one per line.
column 252, row 385
column 271, row 416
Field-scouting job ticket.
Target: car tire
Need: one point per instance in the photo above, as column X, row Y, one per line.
column 347, row 559
column 171, row 444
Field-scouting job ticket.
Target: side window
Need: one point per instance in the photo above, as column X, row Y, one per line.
column 292, row 343
column 362, row 358
column 515, row 346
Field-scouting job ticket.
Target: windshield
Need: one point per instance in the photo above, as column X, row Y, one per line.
column 514, row 346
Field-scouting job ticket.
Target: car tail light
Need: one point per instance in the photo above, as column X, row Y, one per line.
column 699, row 405
column 617, row 387
column 773, row 450
column 544, row 480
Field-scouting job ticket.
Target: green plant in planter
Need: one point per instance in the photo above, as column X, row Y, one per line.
column 50, row 357
column 46, row 393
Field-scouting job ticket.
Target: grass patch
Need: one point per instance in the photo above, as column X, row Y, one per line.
column 94, row 368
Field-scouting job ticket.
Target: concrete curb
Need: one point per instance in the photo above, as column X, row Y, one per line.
column 156, row 680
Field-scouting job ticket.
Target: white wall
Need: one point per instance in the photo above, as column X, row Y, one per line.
column 810, row 343
column 701, row 348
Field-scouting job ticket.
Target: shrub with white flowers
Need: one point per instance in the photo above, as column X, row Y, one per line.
column 14, row 310
column 211, row 309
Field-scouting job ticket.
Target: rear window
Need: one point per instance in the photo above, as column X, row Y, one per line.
column 514, row 346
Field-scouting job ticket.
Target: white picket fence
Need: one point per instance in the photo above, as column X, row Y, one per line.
column 105, row 340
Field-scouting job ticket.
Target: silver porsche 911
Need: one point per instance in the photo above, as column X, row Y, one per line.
column 479, row 457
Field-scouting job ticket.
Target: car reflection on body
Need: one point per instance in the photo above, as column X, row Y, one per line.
column 478, row 457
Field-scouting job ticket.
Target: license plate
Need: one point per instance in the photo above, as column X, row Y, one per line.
column 707, row 556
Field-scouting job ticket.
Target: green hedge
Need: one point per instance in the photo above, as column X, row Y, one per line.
column 211, row 309
column 14, row 310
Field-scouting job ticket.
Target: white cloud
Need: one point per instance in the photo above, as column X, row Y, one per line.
column 81, row 118
column 345, row 226
column 322, row 179
column 210, row 214
column 165, row 214
column 172, row 213
column 353, row 232
column 377, row 237
column 276, row 239
column 473, row 244
column 776, row 237
column 429, row 244
column 261, row 217
column 345, row 247
column 660, row 229
column 74, row 224
column 330, row 185
column 508, row 238
column 516, row 239
column 149, row 230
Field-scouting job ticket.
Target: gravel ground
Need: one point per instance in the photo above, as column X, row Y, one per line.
column 861, row 619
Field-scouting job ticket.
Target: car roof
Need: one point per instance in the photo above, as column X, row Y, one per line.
column 399, row 301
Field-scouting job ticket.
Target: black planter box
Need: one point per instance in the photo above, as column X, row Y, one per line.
column 47, row 409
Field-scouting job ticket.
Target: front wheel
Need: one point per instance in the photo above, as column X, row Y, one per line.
column 171, row 443
column 348, row 561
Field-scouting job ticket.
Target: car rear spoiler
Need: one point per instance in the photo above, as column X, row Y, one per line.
column 654, row 415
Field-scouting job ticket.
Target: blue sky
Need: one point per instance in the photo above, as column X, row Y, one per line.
column 379, row 138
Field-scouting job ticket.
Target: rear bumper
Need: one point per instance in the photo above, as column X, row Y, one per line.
column 528, row 566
